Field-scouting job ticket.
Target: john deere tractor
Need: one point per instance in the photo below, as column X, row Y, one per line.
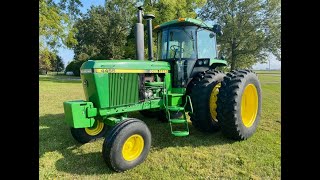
column 182, row 78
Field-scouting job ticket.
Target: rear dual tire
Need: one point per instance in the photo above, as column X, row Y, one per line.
column 229, row 102
column 239, row 104
column 204, row 96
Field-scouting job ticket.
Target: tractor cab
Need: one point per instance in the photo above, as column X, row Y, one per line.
column 189, row 45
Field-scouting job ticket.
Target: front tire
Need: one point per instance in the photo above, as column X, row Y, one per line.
column 127, row 145
column 85, row 135
column 239, row 104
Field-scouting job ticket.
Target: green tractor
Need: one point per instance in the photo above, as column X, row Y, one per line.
column 182, row 78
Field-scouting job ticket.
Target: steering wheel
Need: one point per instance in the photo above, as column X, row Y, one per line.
column 172, row 48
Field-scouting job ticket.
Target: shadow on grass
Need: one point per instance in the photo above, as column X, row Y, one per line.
column 60, row 79
column 162, row 138
column 55, row 136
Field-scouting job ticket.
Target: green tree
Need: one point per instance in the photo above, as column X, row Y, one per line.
column 167, row 10
column 251, row 29
column 74, row 66
column 108, row 32
column 50, row 61
column 56, row 23
column 57, row 64
column 102, row 31
column 56, row 19
column 45, row 60
column 130, row 49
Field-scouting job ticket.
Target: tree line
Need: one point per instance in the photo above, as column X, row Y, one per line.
column 252, row 28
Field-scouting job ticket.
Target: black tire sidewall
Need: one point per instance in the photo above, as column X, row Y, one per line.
column 114, row 155
column 200, row 96
column 80, row 134
column 115, row 129
column 248, row 131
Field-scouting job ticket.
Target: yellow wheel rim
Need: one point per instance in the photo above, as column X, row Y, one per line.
column 249, row 105
column 133, row 147
column 213, row 101
column 95, row 129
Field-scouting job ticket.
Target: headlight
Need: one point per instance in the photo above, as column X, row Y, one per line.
column 200, row 62
column 206, row 61
column 85, row 71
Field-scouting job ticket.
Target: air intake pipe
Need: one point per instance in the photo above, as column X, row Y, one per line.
column 149, row 18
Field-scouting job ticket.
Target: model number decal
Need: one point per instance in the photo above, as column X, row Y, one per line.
column 104, row 70
column 129, row 71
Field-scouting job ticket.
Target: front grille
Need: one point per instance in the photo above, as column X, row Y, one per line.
column 123, row 89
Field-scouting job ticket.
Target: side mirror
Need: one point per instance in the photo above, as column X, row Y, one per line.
column 217, row 29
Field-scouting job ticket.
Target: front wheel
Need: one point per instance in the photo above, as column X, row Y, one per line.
column 85, row 135
column 127, row 145
column 239, row 104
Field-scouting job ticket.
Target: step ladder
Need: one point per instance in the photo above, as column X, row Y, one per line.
column 183, row 120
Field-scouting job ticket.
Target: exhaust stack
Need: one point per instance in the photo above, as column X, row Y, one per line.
column 139, row 34
column 149, row 18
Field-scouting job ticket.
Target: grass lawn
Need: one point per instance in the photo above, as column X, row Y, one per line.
column 197, row 156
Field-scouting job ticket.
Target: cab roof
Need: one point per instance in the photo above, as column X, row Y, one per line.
column 183, row 22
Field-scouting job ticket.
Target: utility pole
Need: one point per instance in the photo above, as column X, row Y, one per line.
column 269, row 65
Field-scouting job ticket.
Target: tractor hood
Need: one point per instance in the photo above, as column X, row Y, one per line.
column 124, row 66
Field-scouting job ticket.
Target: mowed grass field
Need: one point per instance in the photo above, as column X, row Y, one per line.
column 197, row 156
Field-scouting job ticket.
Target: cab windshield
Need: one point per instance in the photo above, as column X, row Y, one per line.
column 177, row 43
column 186, row 42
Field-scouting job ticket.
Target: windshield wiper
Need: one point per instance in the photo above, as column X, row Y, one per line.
column 190, row 35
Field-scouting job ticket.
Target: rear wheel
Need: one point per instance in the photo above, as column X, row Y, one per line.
column 204, row 98
column 239, row 104
column 85, row 135
column 127, row 145
column 195, row 80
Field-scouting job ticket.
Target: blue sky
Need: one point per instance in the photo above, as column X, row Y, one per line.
column 67, row 54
